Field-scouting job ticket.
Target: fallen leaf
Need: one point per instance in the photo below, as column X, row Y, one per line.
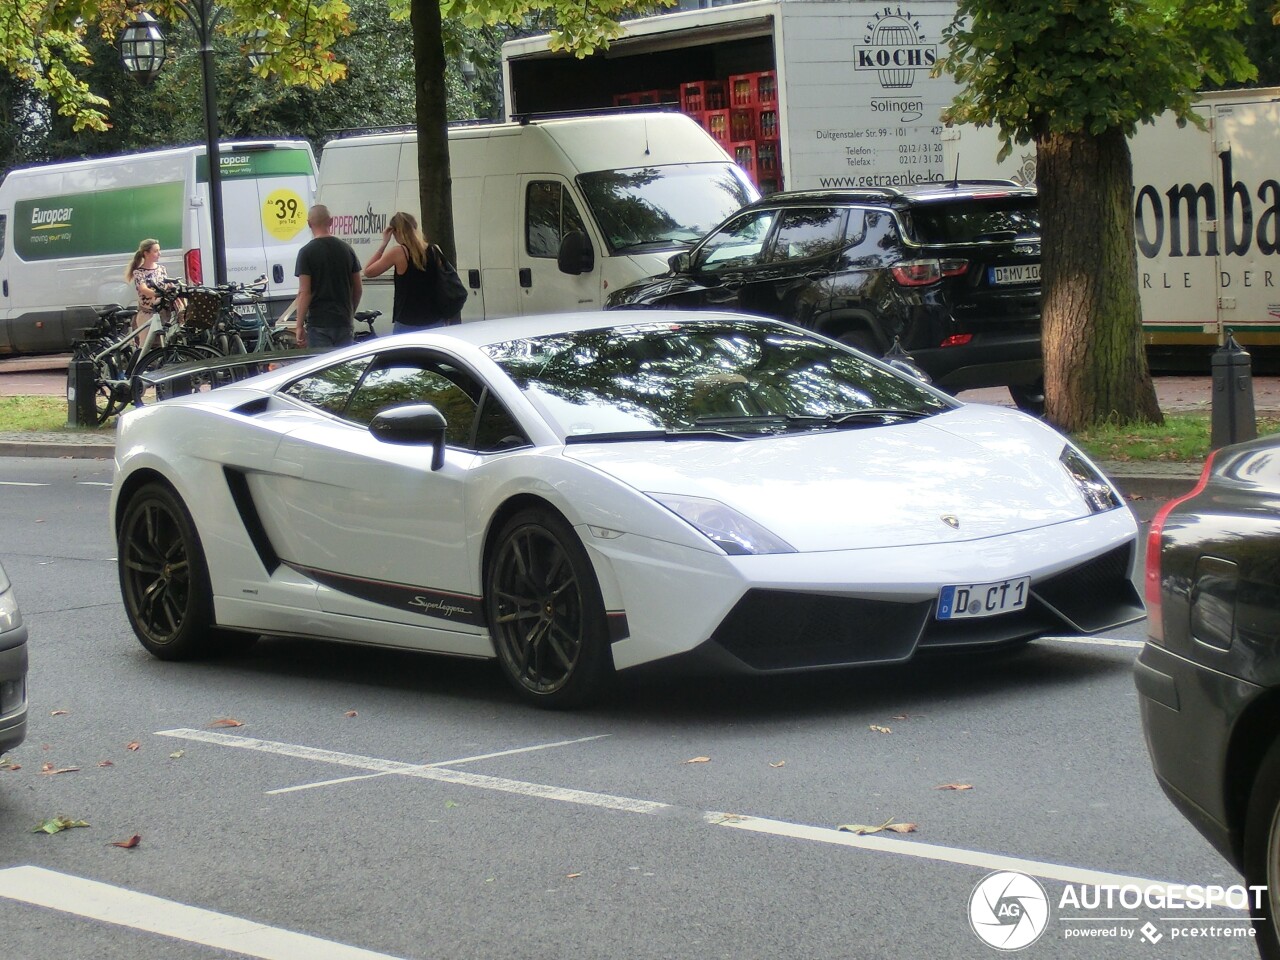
column 133, row 745
column 572, row 876
column 105, row 763
column 698, row 760
column 227, row 722
column 7, row 764
column 58, row 824
column 177, row 755
column 730, row 818
column 450, row 804
column 127, row 844
column 59, row 713
column 954, row 786
column 862, row 829
column 780, row 763
column 351, row 713
column 49, row 768
column 879, row 729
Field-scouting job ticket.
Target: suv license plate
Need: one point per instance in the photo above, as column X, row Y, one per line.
column 963, row 601
column 1022, row 273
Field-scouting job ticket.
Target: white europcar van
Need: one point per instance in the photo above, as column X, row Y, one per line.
column 549, row 215
column 68, row 230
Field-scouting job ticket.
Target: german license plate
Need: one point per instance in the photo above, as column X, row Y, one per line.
column 247, row 309
column 1021, row 273
column 966, row 601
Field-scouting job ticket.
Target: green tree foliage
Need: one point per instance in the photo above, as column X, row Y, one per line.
column 1076, row 78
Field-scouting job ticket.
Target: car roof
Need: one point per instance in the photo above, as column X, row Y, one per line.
column 933, row 192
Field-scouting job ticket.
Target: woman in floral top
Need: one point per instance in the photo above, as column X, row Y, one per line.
column 147, row 276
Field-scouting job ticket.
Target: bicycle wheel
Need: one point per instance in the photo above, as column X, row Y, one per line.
column 169, row 355
column 107, row 395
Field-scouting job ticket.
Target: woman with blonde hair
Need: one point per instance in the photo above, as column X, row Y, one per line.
column 147, row 275
column 415, row 274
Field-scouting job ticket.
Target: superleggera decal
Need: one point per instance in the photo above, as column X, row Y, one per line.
column 454, row 607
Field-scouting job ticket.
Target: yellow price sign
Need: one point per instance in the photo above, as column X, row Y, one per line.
column 284, row 214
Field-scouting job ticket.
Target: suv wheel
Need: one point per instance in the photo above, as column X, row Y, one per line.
column 1029, row 398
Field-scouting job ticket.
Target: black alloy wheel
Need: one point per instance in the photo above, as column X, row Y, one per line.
column 164, row 579
column 1029, row 398
column 1262, row 854
column 545, row 612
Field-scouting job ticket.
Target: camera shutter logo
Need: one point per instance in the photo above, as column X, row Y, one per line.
column 1008, row 910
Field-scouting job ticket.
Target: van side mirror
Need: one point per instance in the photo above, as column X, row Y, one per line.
column 680, row 262
column 576, row 255
column 412, row 424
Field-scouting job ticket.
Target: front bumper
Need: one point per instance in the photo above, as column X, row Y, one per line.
column 13, row 688
column 1188, row 714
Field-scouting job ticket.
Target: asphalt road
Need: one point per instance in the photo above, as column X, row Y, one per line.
column 386, row 804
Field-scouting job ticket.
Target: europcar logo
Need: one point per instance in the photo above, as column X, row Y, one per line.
column 1008, row 910
column 894, row 47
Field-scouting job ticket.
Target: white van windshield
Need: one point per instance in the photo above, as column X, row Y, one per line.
column 647, row 208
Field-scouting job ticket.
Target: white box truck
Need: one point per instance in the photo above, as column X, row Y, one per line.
column 67, row 231
column 549, row 216
column 851, row 102
column 1206, row 210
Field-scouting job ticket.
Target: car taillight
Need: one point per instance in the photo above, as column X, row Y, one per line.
column 1151, row 579
column 917, row 273
column 957, row 340
column 195, row 272
column 955, row 268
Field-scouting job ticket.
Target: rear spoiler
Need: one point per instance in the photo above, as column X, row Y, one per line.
column 184, row 378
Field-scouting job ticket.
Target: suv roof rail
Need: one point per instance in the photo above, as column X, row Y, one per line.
column 668, row 106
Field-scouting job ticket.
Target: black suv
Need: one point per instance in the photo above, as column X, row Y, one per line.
column 951, row 270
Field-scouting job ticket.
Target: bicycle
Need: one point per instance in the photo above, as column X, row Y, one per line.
column 366, row 317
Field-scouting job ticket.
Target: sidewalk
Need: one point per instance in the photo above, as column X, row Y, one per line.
column 46, row 376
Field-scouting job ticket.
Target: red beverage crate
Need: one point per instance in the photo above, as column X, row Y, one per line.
column 767, row 153
column 767, row 123
column 742, row 125
column 641, row 98
column 753, row 89
column 717, row 124
column 699, row 95
column 743, row 154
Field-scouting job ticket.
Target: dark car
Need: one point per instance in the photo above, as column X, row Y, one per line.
column 13, row 669
column 949, row 270
column 1209, row 676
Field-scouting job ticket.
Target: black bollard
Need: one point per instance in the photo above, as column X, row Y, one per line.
column 81, row 411
column 1232, row 416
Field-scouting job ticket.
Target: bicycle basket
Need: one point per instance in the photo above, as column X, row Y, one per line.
column 203, row 307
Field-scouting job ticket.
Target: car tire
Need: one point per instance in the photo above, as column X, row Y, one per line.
column 1029, row 398
column 863, row 340
column 545, row 612
column 164, row 579
column 1262, row 853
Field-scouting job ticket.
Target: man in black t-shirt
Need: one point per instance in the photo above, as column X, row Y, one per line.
column 329, row 286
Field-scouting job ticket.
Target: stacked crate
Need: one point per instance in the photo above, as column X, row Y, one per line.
column 740, row 113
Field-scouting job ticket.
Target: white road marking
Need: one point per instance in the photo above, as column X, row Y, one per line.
column 1098, row 642
column 437, row 763
column 141, row 911
column 502, row 784
column 94, row 483
column 20, row 483
column 932, row 851
column 781, row 828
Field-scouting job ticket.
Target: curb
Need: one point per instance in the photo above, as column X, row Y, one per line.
column 72, row 449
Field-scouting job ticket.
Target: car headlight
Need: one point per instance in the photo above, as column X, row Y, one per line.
column 729, row 530
column 10, row 618
column 1093, row 486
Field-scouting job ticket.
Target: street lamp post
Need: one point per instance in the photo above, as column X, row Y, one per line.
column 142, row 51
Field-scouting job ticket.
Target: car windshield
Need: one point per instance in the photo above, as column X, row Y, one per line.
column 729, row 376
column 975, row 220
column 667, row 206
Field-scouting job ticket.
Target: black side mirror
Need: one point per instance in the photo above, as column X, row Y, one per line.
column 413, row 424
column 680, row 262
column 576, row 255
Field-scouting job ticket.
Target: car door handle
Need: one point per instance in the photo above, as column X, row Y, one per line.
column 277, row 273
column 526, row 277
column 473, row 279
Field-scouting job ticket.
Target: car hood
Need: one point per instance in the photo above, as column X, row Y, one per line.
column 653, row 290
column 993, row 471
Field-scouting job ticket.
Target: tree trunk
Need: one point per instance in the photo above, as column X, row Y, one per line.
column 435, row 184
column 1095, row 365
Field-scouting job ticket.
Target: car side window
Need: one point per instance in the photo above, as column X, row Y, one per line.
column 875, row 244
column 736, row 245
column 418, row 378
column 549, row 214
column 330, row 388
column 496, row 428
column 804, row 234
